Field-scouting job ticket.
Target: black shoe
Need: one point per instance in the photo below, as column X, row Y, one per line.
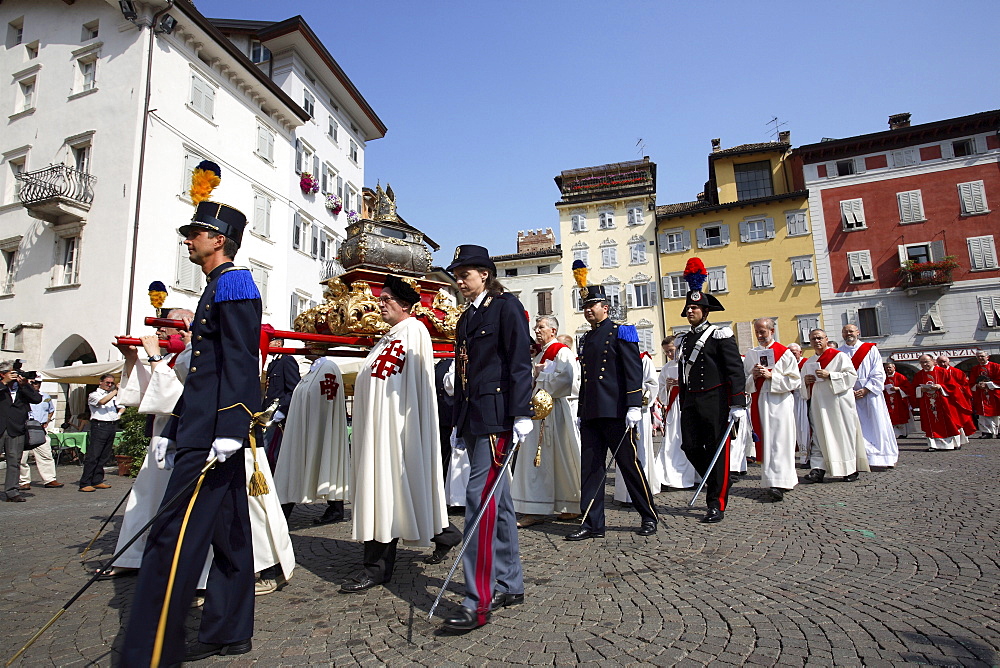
column 777, row 494
column 286, row 509
column 16, row 499
column 712, row 516
column 439, row 554
column 359, row 584
column 852, row 477
column 334, row 513
column 648, row 528
column 465, row 620
column 584, row 534
column 203, row 650
column 505, row 600
column 816, row 475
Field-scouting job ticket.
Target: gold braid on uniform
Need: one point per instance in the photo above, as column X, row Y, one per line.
column 258, row 484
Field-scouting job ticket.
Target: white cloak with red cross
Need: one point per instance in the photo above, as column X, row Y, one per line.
column 398, row 484
column 314, row 462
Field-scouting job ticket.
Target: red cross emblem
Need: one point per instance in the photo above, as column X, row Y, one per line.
column 328, row 386
column 390, row 361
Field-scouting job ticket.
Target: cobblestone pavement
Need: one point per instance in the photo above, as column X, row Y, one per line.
column 900, row 567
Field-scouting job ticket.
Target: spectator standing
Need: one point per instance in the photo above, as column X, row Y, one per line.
column 16, row 397
column 104, row 415
column 42, row 413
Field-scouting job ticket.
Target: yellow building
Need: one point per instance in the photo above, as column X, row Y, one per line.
column 751, row 228
column 607, row 219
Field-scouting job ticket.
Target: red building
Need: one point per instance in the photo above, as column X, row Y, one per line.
column 905, row 234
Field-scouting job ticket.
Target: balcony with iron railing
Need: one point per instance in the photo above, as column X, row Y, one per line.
column 331, row 269
column 58, row 194
column 917, row 277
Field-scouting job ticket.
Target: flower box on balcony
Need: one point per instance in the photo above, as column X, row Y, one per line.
column 915, row 276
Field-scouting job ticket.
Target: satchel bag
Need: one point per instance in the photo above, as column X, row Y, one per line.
column 35, row 434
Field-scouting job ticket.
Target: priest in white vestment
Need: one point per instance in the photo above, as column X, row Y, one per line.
column 876, row 425
column 673, row 468
column 398, row 485
column 772, row 380
column 314, row 462
column 644, row 433
column 828, row 379
column 547, row 475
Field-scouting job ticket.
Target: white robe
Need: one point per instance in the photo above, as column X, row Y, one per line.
column 672, row 466
column 398, row 488
column 776, row 411
column 644, row 441
column 554, row 485
column 834, row 418
column 458, row 467
column 803, row 434
column 314, row 461
column 876, row 425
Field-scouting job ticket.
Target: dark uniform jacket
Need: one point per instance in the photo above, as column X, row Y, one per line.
column 497, row 382
column 612, row 373
column 446, row 402
column 719, row 365
column 14, row 411
column 282, row 377
column 223, row 385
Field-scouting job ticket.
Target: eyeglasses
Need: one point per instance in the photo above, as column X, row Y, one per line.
column 385, row 300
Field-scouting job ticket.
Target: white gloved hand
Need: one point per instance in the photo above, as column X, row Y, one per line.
column 632, row 417
column 278, row 416
column 164, row 450
column 522, row 427
column 737, row 413
column 223, row 448
column 456, row 442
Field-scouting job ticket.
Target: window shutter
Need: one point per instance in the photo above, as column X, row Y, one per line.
column 903, row 257
column 917, row 205
column 261, row 140
column 923, row 317
column 866, row 265
column 743, row 230
column 989, row 252
column 296, row 230
column 298, row 156
column 905, row 207
column 769, row 225
column 325, row 187
column 725, row 234
column 258, row 213
column 314, row 245
column 293, row 310
column 701, row 237
column 665, row 287
column 797, row 272
column 808, row 269
column 935, row 318
column 687, row 240
column 882, row 317
column 852, row 317
column 937, row 251
column 990, row 307
column 755, row 276
column 197, row 97
column 854, row 263
column 847, row 213
column 315, row 171
column 976, row 252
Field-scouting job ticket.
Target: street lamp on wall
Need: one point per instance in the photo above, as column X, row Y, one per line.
column 166, row 24
column 128, row 9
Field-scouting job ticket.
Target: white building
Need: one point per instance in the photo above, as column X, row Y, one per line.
column 106, row 119
column 534, row 275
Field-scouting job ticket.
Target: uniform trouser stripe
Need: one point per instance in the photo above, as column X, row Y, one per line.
column 484, row 557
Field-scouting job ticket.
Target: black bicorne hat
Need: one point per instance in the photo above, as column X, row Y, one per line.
column 706, row 301
column 217, row 217
column 469, row 255
column 402, row 290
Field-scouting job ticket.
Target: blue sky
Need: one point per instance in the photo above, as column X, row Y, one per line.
column 486, row 102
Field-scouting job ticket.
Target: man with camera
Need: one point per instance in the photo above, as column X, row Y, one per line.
column 41, row 413
column 16, row 397
column 104, row 414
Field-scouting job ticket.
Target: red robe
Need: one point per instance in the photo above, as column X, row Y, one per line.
column 985, row 402
column 961, row 397
column 939, row 417
column 899, row 407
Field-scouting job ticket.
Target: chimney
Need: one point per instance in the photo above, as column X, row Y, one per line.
column 716, row 145
column 897, row 121
column 785, row 137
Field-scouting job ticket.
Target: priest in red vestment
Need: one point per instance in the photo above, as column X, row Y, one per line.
column 984, row 381
column 898, row 394
column 939, row 417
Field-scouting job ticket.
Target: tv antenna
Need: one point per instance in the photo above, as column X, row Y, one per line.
column 642, row 147
column 777, row 126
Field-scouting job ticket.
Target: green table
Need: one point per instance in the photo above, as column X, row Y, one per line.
column 74, row 439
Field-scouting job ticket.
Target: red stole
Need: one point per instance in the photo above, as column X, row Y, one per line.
column 802, row 362
column 674, row 391
column 860, row 354
column 551, row 352
column 828, row 356
column 758, row 383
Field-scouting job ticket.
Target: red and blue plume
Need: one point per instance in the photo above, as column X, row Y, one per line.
column 695, row 274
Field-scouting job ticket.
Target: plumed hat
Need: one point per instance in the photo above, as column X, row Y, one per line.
column 695, row 275
column 212, row 216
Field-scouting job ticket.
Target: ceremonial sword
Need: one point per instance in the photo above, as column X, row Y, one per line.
column 718, row 451
column 508, row 458
column 110, row 517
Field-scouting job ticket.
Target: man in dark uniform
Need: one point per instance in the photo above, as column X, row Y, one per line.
column 609, row 409
column 492, row 414
column 446, row 409
column 282, row 377
column 712, row 390
column 214, row 414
